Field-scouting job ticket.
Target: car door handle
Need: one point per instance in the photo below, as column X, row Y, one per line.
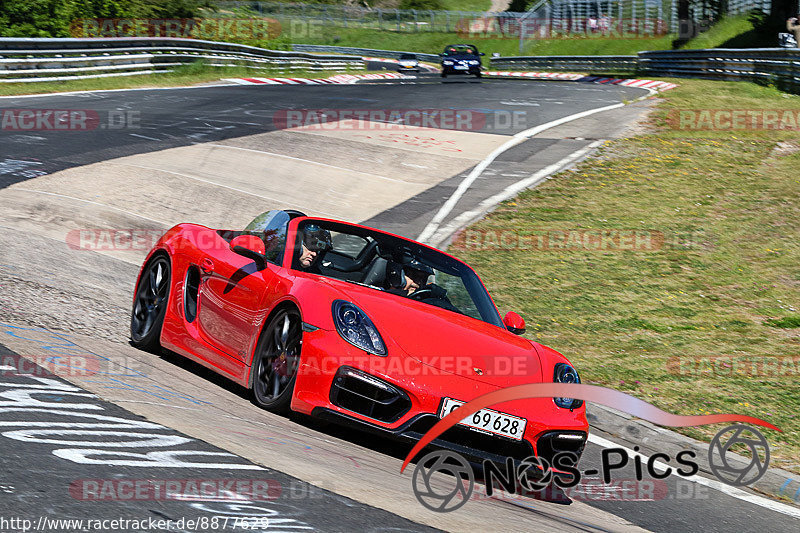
column 207, row 265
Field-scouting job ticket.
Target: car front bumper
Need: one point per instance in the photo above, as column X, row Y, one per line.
column 415, row 393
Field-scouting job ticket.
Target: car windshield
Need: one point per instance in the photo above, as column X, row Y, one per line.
column 393, row 265
column 459, row 50
column 407, row 56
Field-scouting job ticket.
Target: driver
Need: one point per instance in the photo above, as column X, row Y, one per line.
column 314, row 242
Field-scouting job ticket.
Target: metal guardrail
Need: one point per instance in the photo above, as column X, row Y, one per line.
column 568, row 63
column 780, row 66
column 370, row 52
column 31, row 60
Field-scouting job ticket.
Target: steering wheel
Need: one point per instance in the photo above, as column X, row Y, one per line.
column 421, row 294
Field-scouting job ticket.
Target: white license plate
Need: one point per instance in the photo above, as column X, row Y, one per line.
column 488, row 420
column 461, row 67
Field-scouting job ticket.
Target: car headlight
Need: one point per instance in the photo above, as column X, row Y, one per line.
column 474, row 62
column 447, row 62
column 356, row 328
column 564, row 373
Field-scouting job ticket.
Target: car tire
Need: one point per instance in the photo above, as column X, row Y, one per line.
column 150, row 304
column 444, row 74
column 478, row 74
column 276, row 360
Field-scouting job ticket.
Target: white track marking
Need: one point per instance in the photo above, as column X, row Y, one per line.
column 165, row 224
column 144, row 137
column 733, row 492
column 518, row 138
column 451, row 202
column 309, row 161
column 515, row 188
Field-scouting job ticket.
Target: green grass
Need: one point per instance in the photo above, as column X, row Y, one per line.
column 187, row 75
column 723, row 33
column 595, row 46
column 434, row 42
column 466, row 5
column 789, row 322
column 732, row 31
column 724, row 281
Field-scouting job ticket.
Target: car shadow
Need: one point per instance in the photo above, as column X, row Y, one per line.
column 387, row 446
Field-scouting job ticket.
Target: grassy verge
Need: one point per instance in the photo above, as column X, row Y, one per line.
column 466, row 5
column 434, row 42
column 187, row 75
column 725, row 33
column 723, row 284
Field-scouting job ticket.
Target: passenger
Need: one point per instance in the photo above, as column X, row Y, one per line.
column 416, row 275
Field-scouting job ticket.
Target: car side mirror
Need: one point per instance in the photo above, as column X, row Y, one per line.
column 481, row 54
column 514, row 323
column 251, row 247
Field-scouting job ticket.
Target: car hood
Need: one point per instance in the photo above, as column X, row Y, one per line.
column 446, row 341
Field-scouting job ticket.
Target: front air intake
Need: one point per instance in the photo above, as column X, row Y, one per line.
column 368, row 395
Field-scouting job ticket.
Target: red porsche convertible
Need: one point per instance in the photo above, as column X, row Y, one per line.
column 356, row 326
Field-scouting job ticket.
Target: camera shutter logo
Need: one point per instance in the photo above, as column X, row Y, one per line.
column 739, row 474
column 441, row 498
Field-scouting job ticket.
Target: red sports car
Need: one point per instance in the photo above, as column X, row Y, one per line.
column 356, row 326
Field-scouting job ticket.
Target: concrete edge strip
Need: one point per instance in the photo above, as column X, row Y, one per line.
column 564, row 76
column 336, row 79
column 733, row 492
column 426, row 66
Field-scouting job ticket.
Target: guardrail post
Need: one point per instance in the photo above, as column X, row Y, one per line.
column 380, row 19
column 397, row 13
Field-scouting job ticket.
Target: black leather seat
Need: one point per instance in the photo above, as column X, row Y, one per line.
column 376, row 273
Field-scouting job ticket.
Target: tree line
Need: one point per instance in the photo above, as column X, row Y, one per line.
column 52, row 18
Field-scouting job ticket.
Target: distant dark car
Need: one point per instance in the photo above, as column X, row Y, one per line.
column 461, row 59
column 408, row 63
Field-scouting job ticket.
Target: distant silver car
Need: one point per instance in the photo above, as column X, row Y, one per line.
column 408, row 63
